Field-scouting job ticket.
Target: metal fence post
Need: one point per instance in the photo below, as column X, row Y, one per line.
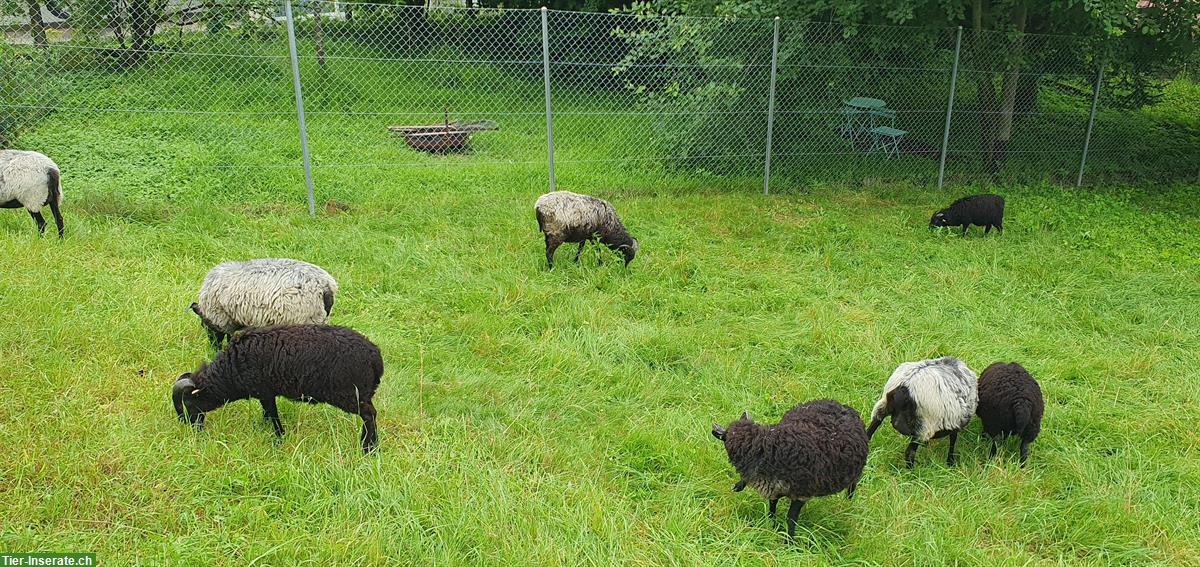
column 1091, row 122
column 546, row 80
column 950, row 108
column 308, row 179
column 771, row 109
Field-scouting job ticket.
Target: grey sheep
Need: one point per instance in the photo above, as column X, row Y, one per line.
column 263, row 292
column 818, row 448
column 564, row 216
column 1010, row 404
column 927, row 400
column 979, row 210
column 308, row 363
column 31, row 180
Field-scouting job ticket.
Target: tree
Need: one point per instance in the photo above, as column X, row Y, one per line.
column 1137, row 43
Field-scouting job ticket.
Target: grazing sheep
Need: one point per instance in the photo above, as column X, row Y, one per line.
column 31, row 180
column 308, row 363
column 564, row 216
column 928, row 400
column 1010, row 403
column 979, row 210
column 817, row 449
column 263, row 292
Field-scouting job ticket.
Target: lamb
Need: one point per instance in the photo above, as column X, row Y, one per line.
column 309, row 363
column 979, row 210
column 817, row 449
column 31, row 180
column 927, row 400
column 1010, row 403
column 564, row 216
column 263, row 292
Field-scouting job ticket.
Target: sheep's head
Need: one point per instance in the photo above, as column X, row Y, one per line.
column 903, row 409
column 191, row 401
column 734, row 438
column 939, row 219
column 630, row 250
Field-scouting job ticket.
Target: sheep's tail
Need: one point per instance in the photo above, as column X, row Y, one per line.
column 53, row 186
column 1022, row 416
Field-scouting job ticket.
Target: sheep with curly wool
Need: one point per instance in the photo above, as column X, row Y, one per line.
column 979, row 210
column 564, row 216
column 817, row 449
column 263, row 292
column 31, row 180
column 927, row 400
column 308, row 363
column 1010, row 404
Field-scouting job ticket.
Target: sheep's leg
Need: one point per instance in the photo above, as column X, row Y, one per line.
column 793, row 513
column 370, row 439
column 552, row 244
column 850, row 491
column 772, row 507
column 58, row 221
column 271, row 413
column 951, row 456
column 986, row 229
column 910, row 454
column 1024, row 452
column 41, row 222
column 992, row 453
column 1000, row 227
column 580, row 251
column 965, row 227
column 874, row 425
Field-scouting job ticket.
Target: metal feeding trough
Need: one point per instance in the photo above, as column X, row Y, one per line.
column 443, row 138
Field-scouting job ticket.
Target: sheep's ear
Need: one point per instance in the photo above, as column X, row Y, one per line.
column 718, row 432
column 746, row 416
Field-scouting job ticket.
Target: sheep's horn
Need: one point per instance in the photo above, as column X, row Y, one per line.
column 182, row 385
column 718, row 432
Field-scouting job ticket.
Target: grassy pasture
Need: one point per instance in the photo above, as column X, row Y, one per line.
column 561, row 417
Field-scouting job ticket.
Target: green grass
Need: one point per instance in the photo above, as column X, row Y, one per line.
column 562, row 417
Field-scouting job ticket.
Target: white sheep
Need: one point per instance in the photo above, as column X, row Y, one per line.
column 31, row 180
column 263, row 292
column 564, row 216
column 927, row 400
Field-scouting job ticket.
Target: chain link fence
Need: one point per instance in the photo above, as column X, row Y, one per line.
column 320, row 87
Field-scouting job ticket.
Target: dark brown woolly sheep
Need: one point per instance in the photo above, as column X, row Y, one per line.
column 817, row 449
column 979, row 210
column 308, row 363
column 1010, row 403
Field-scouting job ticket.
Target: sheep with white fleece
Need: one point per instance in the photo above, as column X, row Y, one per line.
column 261, row 293
column 31, row 180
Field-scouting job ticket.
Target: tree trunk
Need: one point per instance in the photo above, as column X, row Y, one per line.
column 985, row 85
column 37, row 27
column 318, row 34
column 142, row 22
column 1011, row 81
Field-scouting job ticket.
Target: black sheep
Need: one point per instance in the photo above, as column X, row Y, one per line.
column 309, row 363
column 1010, row 403
column 979, row 210
column 817, row 449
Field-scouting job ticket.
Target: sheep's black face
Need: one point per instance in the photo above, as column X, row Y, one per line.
column 190, row 402
column 938, row 220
